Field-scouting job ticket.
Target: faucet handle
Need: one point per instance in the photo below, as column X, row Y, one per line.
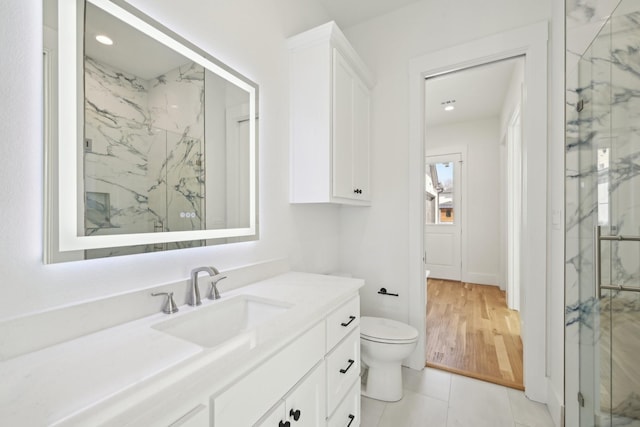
column 213, row 292
column 170, row 307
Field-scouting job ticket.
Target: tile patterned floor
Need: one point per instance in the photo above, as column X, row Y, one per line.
column 439, row 399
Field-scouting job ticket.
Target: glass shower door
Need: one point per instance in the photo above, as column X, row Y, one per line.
column 609, row 129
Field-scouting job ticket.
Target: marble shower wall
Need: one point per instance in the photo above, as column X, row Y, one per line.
column 145, row 153
column 176, row 106
column 602, row 188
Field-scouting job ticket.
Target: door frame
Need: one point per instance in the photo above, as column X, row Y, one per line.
column 530, row 41
column 514, row 208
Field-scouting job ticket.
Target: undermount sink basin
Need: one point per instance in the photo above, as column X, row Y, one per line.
column 222, row 321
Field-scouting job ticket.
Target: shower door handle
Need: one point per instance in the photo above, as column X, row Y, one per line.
column 597, row 258
column 596, row 261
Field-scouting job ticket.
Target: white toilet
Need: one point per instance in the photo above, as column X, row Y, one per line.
column 384, row 343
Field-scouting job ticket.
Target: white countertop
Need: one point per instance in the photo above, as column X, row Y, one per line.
column 114, row 376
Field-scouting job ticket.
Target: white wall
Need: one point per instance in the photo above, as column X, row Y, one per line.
column 375, row 241
column 480, row 193
column 254, row 44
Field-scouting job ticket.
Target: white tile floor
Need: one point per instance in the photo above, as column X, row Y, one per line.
column 435, row 398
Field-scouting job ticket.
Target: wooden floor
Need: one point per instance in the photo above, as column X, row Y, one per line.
column 470, row 331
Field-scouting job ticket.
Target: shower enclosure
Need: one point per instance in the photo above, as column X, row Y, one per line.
column 603, row 216
column 143, row 157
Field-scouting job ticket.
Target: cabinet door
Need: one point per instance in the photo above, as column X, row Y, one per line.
column 305, row 406
column 343, row 121
column 361, row 140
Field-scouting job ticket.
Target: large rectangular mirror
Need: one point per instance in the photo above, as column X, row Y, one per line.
column 151, row 144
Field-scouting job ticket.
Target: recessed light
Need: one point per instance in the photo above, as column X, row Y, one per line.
column 449, row 108
column 101, row 38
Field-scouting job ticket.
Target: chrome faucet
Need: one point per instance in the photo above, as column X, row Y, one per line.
column 195, row 290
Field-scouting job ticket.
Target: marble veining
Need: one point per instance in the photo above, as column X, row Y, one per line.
column 145, row 149
column 602, row 186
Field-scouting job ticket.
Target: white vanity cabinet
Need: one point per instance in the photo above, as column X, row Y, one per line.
column 296, row 351
column 313, row 379
column 330, row 105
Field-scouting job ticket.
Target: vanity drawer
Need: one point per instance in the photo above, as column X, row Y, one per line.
column 348, row 413
column 342, row 321
column 343, row 369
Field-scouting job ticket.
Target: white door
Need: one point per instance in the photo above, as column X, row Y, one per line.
column 343, row 123
column 514, row 210
column 442, row 228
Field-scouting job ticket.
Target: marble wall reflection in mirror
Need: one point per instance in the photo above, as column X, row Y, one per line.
column 156, row 140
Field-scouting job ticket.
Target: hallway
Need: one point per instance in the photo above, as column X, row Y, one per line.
column 471, row 332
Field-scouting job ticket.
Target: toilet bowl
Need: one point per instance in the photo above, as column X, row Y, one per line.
column 384, row 343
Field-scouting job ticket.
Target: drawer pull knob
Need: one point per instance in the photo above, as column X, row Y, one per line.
column 344, row 371
column 295, row 414
column 351, row 319
column 351, row 418
column 284, row 424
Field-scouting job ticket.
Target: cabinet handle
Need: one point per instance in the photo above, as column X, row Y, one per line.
column 344, row 371
column 294, row 414
column 284, row 424
column 357, row 191
column 351, row 418
column 351, row 319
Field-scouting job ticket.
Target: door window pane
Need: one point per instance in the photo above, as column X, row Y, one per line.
column 439, row 192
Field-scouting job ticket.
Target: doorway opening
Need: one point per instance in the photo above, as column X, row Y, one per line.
column 530, row 41
column 472, row 220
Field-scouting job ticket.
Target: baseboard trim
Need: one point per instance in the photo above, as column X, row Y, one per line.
column 481, row 279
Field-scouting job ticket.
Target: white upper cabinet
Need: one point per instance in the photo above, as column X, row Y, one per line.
column 330, row 106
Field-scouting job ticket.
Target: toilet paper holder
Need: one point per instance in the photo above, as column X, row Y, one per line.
column 383, row 291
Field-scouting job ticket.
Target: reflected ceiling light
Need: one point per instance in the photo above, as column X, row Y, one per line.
column 449, row 108
column 106, row 40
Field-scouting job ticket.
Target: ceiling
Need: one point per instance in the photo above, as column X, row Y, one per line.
column 130, row 45
column 348, row 13
column 478, row 92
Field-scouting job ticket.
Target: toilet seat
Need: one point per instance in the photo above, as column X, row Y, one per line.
column 387, row 331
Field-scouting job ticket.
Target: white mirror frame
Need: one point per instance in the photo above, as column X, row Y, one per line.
column 70, row 205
